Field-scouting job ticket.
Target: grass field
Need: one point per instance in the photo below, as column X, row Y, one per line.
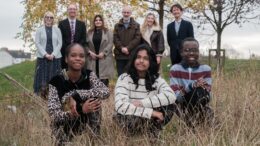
column 236, row 103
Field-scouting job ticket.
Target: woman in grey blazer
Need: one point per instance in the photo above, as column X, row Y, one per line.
column 48, row 43
column 100, row 44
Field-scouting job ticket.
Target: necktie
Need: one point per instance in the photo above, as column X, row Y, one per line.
column 72, row 31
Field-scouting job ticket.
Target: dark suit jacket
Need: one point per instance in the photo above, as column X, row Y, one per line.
column 174, row 40
column 79, row 37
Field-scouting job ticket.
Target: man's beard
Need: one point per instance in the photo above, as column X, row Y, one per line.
column 126, row 18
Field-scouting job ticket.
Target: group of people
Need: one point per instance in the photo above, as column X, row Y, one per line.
column 75, row 66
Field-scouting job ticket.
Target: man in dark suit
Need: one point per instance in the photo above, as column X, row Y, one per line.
column 72, row 30
column 177, row 31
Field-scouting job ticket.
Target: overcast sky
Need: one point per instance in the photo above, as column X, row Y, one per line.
column 245, row 39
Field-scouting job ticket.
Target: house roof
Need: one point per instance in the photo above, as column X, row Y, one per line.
column 19, row 54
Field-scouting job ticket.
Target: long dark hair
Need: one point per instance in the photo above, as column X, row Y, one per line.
column 152, row 72
column 93, row 27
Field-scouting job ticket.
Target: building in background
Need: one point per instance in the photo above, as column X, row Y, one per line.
column 10, row 57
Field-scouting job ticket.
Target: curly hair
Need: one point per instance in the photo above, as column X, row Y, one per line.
column 152, row 72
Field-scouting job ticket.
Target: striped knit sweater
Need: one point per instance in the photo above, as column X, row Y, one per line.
column 126, row 92
column 182, row 78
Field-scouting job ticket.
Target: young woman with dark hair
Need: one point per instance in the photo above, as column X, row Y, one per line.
column 80, row 91
column 100, row 56
column 143, row 100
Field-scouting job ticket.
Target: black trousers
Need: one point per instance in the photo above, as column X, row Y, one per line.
column 64, row 132
column 120, row 65
column 175, row 55
column 194, row 109
column 134, row 125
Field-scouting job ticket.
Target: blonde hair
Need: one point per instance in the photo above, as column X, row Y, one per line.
column 50, row 14
column 144, row 25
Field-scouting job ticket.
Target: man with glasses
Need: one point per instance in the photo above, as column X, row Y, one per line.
column 127, row 36
column 191, row 82
column 72, row 30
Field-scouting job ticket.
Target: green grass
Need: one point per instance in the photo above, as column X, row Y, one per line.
column 23, row 73
column 231, row 66
column 235, row 103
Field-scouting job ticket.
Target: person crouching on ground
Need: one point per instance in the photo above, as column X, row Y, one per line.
column 83, row 90
column 191, row 82
column 144, row 102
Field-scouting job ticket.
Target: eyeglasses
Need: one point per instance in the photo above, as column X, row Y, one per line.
column 126, row 12
column 193, row 50
column 48, row 17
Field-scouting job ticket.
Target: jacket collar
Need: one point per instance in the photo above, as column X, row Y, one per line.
column 132, row 22
column 156, row 28
column 185, row 65
column 66, row 77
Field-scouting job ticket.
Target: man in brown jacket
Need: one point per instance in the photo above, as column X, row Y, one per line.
column 127, row 37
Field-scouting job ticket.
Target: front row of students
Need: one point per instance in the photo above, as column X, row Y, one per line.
column 144, row 102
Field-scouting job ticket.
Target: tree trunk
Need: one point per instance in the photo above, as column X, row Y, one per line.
column 219, row 33
column 161, row 12
column 219, row 67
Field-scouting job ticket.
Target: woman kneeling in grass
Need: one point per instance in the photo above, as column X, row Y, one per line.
column 143, row 100
column 83, row 90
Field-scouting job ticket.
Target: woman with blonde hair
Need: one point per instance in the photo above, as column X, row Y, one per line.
column 152, row 35
column 48, row 43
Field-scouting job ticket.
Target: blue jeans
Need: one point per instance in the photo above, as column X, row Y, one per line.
column 120, row 65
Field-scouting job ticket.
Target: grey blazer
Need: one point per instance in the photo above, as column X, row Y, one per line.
column 41, row 40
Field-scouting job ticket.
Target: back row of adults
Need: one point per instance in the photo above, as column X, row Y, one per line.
column 51, row 42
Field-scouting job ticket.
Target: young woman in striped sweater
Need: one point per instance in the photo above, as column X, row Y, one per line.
column 143, row 100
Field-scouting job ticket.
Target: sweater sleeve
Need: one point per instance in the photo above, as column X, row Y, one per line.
column 165, row 95
column 59, row 42
column 175, row 85
column 123, row 105
column 108, row 49
column 116, row 39
column 160, row 44
column 40, row 49
column 190, row 30
column 55, row 107
column 136, row 39
column 97, row 89
column 169, row 35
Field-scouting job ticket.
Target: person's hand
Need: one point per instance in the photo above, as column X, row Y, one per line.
column 92, row 55
column 200, row 83
column 48, row 57
column 91, row 105
column 137, row 103
column 158, row 59
column 101, row 55
column 125, row 50
column 158, row 116
column 51, row 57
column 73, row 109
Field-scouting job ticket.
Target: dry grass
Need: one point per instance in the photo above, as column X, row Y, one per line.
column 236, row 103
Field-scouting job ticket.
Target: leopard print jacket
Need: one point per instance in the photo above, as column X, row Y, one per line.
column 56, row 105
